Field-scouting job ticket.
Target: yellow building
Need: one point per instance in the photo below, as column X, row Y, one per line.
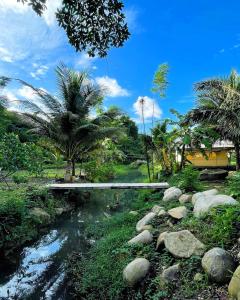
column 218, row 157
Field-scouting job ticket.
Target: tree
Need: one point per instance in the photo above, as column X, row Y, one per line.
column 219, row 107
column 91, row 26
column 160, row 82
column 65, row 120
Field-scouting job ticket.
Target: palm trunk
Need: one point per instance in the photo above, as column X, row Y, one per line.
column 73, row 167
column 237, row 148
column 182, row 157
column 68, row 171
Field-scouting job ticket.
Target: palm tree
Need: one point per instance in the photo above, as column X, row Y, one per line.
column 66, row 119
column 218, row 106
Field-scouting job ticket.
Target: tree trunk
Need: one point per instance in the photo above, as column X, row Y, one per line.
column 182, row 158
column 73, row 167
column 237, row 148
column 68, row 171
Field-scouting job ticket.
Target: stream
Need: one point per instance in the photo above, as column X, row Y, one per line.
column 39, row 272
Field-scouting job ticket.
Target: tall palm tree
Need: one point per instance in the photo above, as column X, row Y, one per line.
column 219, row 107
column 66, row 119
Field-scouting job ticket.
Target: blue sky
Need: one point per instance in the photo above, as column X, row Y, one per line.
column 198, row 39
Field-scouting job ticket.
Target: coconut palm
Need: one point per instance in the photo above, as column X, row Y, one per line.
column 66, row 119
column 218, row 106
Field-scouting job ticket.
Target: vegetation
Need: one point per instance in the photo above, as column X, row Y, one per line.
column 91, row 27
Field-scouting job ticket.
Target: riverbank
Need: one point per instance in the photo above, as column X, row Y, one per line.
column 99, row 274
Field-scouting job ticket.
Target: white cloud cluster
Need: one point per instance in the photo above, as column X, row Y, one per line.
column 112, row 87
column 39, row 71
column 85, row 61
column 148, row 106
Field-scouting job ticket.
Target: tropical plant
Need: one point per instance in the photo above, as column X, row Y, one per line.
column 219, row 107
column 160, row 82
column 66, row 120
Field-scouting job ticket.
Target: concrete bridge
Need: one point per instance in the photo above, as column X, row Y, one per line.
column 103, row 186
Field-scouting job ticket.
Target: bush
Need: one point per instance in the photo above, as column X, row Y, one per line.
column 187, row 179
column 18, row 179
column 233, row 185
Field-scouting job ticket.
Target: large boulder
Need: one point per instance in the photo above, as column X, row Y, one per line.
column 144, row 237
column 213, row 174
column 234, row 285
column 183, row 244
column 185, row 198
column 178, row 212
column 40, row 214
column 171, row 274
column 173, row 193
column 199, row 195
column 205, row 203
column 156, row 209
column 136, row 270
column 218, row 264
column 145, row 221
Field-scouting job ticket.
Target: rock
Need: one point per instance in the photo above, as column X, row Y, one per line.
column 198, row 277
column 211, row 192
column 136, row 270
column 156, row 209
column 40, row 214
column 204, row 204
column 145, row 221
column 171, row 274
column 183, row 244
column 162, row 213
column 234, row 285
column 160, row 240
column 218, row 264
column 238, row 241
column 133, row 212
column 59, row 211
column 169, row 223
column 178, row 212
column 213, row 174
column 173, row 193
column 185, row 198
column 144, row 237
column 147, row 227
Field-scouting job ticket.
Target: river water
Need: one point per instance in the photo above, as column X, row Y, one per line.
column 39, row 272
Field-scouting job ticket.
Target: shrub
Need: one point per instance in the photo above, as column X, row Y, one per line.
column 18, row 179
column 187, row 179
column 233, row 185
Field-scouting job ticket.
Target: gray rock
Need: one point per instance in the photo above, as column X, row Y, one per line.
column 156, row 209
column 171, row 274
column 147, row 227
column 204, row 204
column 185, row 198
column 178, row 212
column 218, row 264
column 234, row 285
column 136, row 270
column 162, row 213
column 173, row 193
column 144, row 237
column 160, row 240
column 145, row 221
column 198, row 277
column 211, row 192
column 40, row 214
column 183, row 244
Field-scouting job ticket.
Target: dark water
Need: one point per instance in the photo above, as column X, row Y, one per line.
column 40, row 272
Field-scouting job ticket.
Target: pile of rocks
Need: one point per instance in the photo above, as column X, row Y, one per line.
column 217, row 263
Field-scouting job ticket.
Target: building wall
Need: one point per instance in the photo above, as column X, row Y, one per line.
column 215, row 159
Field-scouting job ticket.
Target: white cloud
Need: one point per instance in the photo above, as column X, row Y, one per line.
column 13, row 5
column 112, row 87
column 131, row 18
column 26, row 93
column 149, row 107
column 49, row 14
column 5, row 55
column 85, row 61
column 39, row 71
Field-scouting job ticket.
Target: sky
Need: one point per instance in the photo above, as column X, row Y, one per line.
column 198, row 39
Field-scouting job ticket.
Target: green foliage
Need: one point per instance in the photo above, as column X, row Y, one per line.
column 15, row 156
column 187, row 179
column 160, row 82
column 19, row 178
column 233, row 185
column 96, row 171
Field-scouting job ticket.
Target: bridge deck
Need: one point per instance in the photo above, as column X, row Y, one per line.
column 101, row 186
